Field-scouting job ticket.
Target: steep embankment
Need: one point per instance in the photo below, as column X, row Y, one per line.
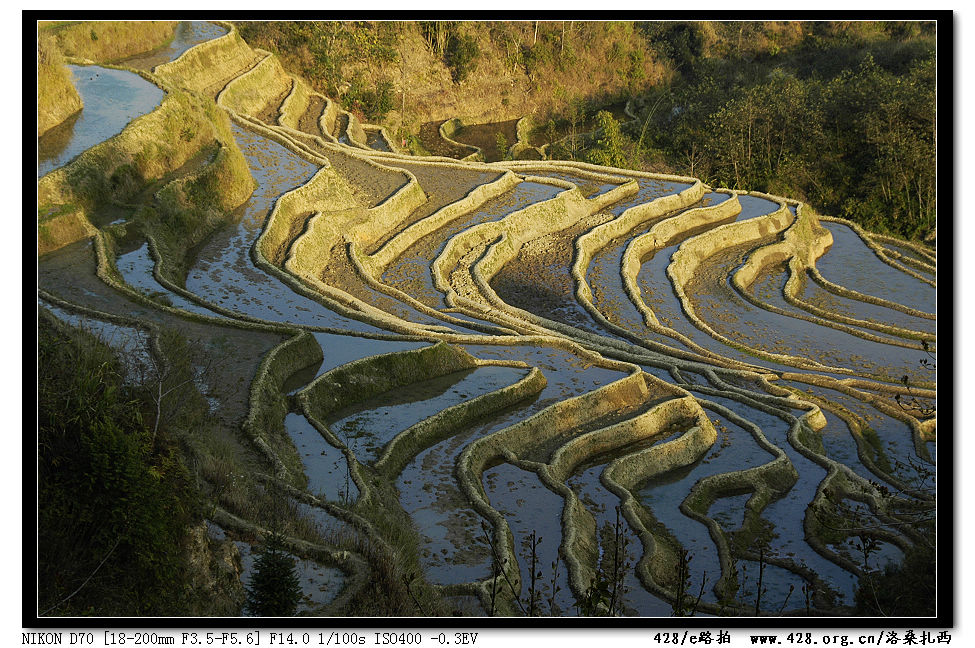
column 57, row 98
column 104, row 41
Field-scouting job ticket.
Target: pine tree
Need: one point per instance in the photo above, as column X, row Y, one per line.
column 274, row 589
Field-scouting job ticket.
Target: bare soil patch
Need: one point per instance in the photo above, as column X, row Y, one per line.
column 485, row 136
column 269, row 114
column 436, row 145
column 309, row 121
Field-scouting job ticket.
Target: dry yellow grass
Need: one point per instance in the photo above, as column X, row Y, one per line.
column 57, row 98
column 104, row 41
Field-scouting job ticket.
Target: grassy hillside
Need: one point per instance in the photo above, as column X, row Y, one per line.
column 57, row 98
column 104, row 41
column 482, row 71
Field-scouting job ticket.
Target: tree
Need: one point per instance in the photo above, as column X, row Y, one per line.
column 502, row 144
column 609, row 143
column 461, row 56
column 274, row 588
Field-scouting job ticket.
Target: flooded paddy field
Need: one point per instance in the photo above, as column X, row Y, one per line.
column 852, row 264
column 112, row 98
column 397, row 435
column 410, row 272
column 187, row 34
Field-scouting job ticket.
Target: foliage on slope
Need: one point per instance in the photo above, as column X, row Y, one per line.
column 475, row 69
column 114, row 500
column 840, row 115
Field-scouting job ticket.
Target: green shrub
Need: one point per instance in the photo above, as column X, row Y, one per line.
column 461, row 56
column 375, row 104
column 608, row 150
column 502, row 143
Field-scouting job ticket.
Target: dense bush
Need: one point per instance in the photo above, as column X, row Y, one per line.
column 903, row 590
column 461, row 56
column 374, row 103
column 113, row 499
column 608, row 150
column 841, row 116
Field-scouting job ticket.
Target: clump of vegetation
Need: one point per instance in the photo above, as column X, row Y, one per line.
column 840, row 115
column 328, row 53
column 114, row 499
column 459, row 51
column 904, row 590
column 461, row 56
column 373, row 103
column 502, row 143
column 608, row 150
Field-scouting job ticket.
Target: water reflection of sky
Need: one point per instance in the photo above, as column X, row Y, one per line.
column 112, row 98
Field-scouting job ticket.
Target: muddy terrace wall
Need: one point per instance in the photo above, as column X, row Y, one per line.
column 453, row 420
column 566, row 207
column 514, row 230
column 295, row 104
column 269, row 405
column 187, row 210
column 693, row 252
column 105, row 41
column 559, row 420
column 597, row 238
column 522, row 148
column 804, row 242
column 250, row 92
column 326, row 122
column 327, row 190
column 843, row 291
column 354, row 132
column 147, row 149
column 208, row 66
column 363, row 226
column 657, row 565
column 450, row 128
column 880, row 251
column 57, row 98
column 662, row 235
column 378, row 262
column 368, row 377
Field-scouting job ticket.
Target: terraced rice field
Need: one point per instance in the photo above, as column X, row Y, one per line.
column 619, row 362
